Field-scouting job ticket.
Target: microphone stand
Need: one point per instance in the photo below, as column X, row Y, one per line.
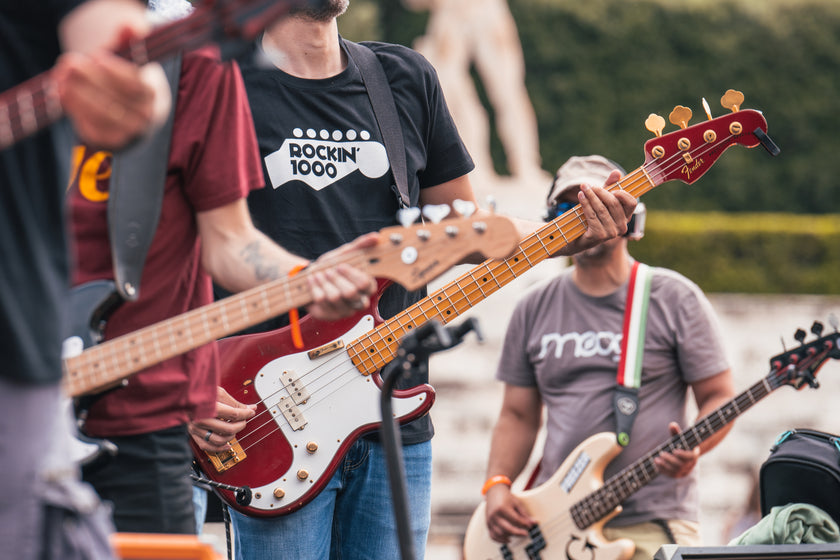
column 412, row 357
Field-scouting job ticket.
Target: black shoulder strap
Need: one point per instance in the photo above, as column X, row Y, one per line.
column 138, row 176
column 385, row 110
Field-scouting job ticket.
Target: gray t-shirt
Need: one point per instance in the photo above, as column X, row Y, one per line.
column 568, row 345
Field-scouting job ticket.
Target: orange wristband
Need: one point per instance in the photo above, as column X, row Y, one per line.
column 294, row 316
column 493, row 481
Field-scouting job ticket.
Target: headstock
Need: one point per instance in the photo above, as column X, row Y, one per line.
column 414, row 254
column 799, row 366
column 688, row 153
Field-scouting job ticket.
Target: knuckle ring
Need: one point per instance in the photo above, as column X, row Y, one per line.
column 207, row 435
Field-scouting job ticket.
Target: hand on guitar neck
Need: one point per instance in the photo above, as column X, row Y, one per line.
column 341, row 290
column 112, row 101
column 109, row 100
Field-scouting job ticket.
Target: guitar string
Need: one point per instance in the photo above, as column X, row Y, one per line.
column 566, row 221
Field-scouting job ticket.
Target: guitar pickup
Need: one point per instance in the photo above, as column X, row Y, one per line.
column 296, row 389
column 292, row 413
column 325, row 349
column 225, row 460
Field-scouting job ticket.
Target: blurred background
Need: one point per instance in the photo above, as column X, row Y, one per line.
column 532, row 82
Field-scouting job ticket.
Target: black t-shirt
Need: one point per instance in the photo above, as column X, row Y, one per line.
column 327, row 175
column 34, row 269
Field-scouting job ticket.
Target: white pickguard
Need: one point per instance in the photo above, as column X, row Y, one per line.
column 341, row 399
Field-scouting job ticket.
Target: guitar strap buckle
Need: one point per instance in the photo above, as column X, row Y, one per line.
column 626, row 406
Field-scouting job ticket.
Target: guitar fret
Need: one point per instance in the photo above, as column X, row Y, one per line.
column 243, row 307
column 137, row 49
column 27, row 119
column 766, row 385
column 543, row 246
column 562, row 234
column 509, row 267
column 6, row 135
column 492, row 277
column 480, row 289
column 52, row 103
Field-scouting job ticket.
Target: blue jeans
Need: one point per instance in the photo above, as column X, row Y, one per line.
column 351, row 518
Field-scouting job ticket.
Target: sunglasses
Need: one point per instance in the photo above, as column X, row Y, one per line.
column 558, row 210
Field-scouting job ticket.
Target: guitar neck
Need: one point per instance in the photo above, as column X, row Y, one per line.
column 28, row 108
column 373, row 351
column 105, row 364
column 620, row 486
column 34, row 104
column 411, row 255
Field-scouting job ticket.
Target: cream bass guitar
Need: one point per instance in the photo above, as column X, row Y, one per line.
column 573, row 505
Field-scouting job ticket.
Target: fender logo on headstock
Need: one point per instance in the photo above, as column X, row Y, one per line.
column 692, row 166
column 426, row 272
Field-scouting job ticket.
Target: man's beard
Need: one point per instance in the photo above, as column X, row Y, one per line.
column 595, row 255
column 327, row 11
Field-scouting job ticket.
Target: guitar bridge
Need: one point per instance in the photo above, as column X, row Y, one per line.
column 225, row 460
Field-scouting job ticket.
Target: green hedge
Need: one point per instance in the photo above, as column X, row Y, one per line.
column 746, row 253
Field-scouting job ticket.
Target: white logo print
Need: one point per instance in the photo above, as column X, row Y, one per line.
column 321, row 158
column 586, row 344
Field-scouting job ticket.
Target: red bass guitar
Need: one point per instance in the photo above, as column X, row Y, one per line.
column 313, row 404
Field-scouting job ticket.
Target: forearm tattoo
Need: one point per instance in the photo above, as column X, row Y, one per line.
column 263, row 270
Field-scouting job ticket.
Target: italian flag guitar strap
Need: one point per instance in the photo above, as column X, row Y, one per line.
column 629, row 377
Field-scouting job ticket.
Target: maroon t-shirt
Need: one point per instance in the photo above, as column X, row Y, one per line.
column 213, row 161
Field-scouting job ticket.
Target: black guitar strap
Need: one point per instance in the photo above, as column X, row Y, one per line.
column 138, row 176
column 385, row 111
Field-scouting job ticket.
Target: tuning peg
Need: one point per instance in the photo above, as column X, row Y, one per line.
column 655, row 124
column 707, row 109
column 436, row 212
column 800, row 335
column 817, row 328
column 407, row 216
column 680, row 116
column 491, row 204
column 832, row 320
column 732, row 100
column 465, row 208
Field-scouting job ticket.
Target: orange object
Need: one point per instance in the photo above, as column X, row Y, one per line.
column 294, row 316
column 154, row 546
column 493, row 481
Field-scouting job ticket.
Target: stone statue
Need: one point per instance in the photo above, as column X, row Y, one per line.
column 483, row 34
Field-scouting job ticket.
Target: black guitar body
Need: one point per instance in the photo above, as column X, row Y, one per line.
column 88, row 308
